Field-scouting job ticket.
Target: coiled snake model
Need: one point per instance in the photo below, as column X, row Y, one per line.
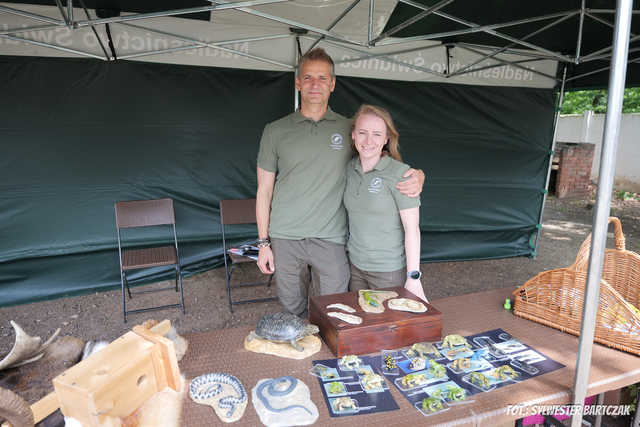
column 207, row 386
column 273, row 391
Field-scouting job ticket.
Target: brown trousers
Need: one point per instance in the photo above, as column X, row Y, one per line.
column 329, row 270
column 361, row 279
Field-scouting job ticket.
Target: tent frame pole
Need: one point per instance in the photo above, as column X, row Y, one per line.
column 296, row 55
column 213, row 45
column 605, row 22
column 63, row 13
column 137, row 16
column 292, row 23
column 95, row 33
column 53, row 46
column 579, row 42
column 605, row 49
column 34, row 28
column 388, row 58
column 607, row 56
column 473, row 25
column 482, row 28
column 502, row 49
column 377, row 55
column 602, row 206
column 372, row 7
column 426, row 12
column 514, row 63
column 551, row 154
column 609, row 11
column 530, row 54
column 35, row 16
column 70, row 12
column 335, row 22
column 505, row 62
column 631, row 61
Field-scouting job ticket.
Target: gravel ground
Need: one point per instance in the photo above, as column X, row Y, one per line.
column 97, row 316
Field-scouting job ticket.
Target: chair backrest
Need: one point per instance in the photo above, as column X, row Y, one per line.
column 144, row 213
column 238, row 211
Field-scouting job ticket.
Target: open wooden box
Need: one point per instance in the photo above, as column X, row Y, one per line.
column 118, row 379
column 378, row 331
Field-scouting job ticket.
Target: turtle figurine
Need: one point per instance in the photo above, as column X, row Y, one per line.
column 283, row 327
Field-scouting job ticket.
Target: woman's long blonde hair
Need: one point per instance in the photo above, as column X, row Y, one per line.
column 392, row 147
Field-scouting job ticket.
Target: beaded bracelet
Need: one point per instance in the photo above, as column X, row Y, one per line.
column 263, row 243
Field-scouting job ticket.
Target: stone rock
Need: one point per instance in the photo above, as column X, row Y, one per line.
column 294, row 408
column 223, row 392
column 227, row 390
column 310, row 344
column 406, row 304
column 379, row 296
column 349, row 318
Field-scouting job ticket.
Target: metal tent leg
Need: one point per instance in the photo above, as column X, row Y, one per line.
column 603, row 202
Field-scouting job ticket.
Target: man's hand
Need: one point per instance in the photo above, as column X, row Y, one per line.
column 411, row 187
column 265, row 260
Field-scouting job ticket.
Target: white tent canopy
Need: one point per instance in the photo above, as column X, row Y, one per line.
column 260, row 38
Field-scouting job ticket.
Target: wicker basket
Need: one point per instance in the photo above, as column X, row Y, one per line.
column 555, row 298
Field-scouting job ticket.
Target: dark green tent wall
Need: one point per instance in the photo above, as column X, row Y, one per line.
column 77, row 135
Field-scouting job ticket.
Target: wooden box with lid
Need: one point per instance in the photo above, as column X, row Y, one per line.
column 388, row 330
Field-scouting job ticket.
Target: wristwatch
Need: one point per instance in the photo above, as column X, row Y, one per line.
column 414, row 274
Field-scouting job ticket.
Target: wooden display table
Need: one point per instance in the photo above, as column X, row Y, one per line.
column 222, row 351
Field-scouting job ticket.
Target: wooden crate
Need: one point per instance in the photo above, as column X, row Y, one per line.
column 388, row 330
column 117, row 380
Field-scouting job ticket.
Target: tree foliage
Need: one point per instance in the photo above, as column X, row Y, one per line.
column 596, row 100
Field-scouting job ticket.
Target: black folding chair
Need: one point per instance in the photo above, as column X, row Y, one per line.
column 234, row 212
column 146, row 213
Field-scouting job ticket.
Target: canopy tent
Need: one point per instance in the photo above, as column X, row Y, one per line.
column 578, row 34
column 181, row 131
column 435, row 41
column 490, row 174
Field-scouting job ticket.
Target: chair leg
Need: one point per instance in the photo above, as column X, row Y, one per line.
column 124, row 298
column 177, row 275
column 126, row 283
column 227, row 274
column 179, row 284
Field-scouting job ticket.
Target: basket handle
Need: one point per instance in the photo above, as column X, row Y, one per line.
column 617, row 233
column 582, row 259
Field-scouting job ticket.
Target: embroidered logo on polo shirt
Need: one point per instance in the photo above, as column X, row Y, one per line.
column 336, row 141
column 375, row 185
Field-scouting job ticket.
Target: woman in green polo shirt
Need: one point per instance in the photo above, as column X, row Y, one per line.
column 384, row 232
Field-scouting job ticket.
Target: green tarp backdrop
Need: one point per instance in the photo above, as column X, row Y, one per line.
column 78, row 135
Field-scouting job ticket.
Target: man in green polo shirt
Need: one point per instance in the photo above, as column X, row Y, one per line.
column 301, row 179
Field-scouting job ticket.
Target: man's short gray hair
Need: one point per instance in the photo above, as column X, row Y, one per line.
column 317, row 54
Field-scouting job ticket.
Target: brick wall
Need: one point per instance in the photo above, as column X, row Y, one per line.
column 574, row 169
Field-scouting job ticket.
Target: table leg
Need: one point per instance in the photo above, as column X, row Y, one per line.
column 599, row 401
column 636, row 417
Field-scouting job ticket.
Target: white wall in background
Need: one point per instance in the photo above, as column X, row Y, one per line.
column 589, row 127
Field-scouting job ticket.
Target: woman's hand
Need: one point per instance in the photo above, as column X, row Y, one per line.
column 265, row 260
column 415, row 287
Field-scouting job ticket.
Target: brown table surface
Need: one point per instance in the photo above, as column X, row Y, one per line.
column 223, row 351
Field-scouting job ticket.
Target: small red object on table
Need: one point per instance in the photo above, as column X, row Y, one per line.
column 378, row 331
